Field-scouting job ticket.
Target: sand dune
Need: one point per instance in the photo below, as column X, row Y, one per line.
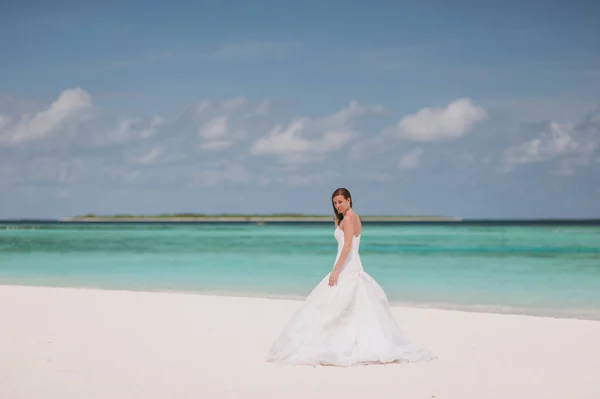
column 75, row 343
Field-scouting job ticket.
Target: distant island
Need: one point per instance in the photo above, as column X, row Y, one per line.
column 257, row 218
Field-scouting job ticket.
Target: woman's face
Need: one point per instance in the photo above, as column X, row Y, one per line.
column 341, row 204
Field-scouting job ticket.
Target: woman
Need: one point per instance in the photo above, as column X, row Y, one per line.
column 346, row 319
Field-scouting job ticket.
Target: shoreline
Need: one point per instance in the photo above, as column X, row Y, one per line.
column 82, row 343
column 552, row 313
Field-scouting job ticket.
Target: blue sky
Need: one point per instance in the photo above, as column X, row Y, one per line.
column 472, row 109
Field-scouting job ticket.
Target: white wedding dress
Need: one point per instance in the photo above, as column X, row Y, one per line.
column 348, row 324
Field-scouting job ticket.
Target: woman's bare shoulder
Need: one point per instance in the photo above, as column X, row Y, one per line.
column 357, row 223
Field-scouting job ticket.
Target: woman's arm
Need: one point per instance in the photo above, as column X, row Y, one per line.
column 348, row 233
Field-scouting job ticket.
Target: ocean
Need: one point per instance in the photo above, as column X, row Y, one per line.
column 546, row 269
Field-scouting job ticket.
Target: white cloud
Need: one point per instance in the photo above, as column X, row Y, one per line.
column 306, row 139
column 221, row 126
column 214, row 129
column 150, row 157
column 4, row 121
column 438, row 124
column 217, row 135
column 282, row 140
column 149, row 150
column 556, row 141
column 263, row 108
column 573, row 146
column 346, row 115
column 234, row 103
column 227, row 107
column 129, row 129
column 203, row 106
column 70, row 107
column 363, row 149
column 157, row 155
column 68, row 116
column 289, row 141
column 411, row 160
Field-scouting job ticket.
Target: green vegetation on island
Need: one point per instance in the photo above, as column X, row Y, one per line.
column 238, row 217
column 197, row 215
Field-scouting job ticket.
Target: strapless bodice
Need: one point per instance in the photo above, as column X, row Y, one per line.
column 353, row 261
column 339, row 236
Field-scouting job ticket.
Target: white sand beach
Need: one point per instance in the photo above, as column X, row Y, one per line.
column 82, row 343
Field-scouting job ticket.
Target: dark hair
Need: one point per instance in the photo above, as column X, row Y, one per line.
column 346, row 194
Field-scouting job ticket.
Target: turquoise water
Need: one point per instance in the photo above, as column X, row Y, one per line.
column 552, row 270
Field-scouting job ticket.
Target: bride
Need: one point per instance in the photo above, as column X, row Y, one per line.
column 346, row 320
